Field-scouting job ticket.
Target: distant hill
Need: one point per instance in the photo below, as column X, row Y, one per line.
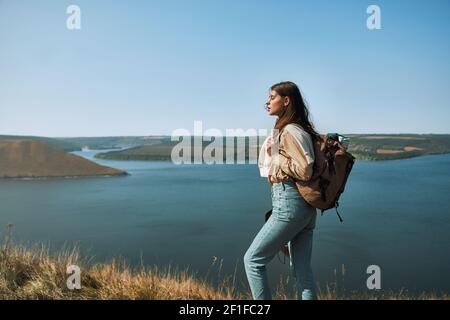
column 67, row 146
column 33, row 158
column 96, row 143
column 397, row 146
column 162, row 150
column 145, row 152
column 362, row 146
column 116, row 142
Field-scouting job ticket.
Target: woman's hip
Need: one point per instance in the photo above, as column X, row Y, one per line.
column 288, row 204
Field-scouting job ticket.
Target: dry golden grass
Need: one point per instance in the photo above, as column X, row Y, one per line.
column 36, row 274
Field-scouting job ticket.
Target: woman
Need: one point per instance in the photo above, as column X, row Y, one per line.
column 286, row 156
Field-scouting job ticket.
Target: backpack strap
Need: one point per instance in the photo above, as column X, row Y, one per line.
column 337, row 212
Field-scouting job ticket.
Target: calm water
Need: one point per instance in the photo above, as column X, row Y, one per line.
column 396, row 215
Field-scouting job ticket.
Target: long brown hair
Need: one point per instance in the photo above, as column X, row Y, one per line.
column 297, row 111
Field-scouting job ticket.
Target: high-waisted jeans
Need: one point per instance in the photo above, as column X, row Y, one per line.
column 292, row 222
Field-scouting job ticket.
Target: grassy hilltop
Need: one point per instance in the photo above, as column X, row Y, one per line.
column 67, row 146
column 37, row 274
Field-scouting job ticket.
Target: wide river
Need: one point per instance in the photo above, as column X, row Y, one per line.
column 203, row 217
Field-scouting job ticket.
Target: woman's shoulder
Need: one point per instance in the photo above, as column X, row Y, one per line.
column 297, row 131
column 294, row 132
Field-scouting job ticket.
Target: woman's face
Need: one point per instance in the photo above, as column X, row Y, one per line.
column 276, row 103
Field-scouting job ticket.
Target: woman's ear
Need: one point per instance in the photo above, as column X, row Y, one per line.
column 286, row 101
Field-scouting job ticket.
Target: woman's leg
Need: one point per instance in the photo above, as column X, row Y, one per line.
column 301, row 249
column 276, row 232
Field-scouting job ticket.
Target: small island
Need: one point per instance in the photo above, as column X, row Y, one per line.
column 21, row 158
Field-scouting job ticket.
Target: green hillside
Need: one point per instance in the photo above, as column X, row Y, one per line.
column 362, row 146
column 245, row 148
column 117, row 142
column 391, row 147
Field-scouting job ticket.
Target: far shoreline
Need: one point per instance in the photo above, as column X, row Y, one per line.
column 143, row 158
column 24, row 178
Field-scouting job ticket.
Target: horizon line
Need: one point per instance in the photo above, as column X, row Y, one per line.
column 167, row 135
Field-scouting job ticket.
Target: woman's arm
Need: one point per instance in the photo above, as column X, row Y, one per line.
column 295, row 158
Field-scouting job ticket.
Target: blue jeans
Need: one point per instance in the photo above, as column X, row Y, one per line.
column 292, row 222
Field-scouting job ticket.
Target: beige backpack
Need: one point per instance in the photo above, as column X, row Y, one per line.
column 332, row 166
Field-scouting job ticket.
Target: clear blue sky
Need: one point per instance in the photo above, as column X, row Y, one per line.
column 150, row 67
